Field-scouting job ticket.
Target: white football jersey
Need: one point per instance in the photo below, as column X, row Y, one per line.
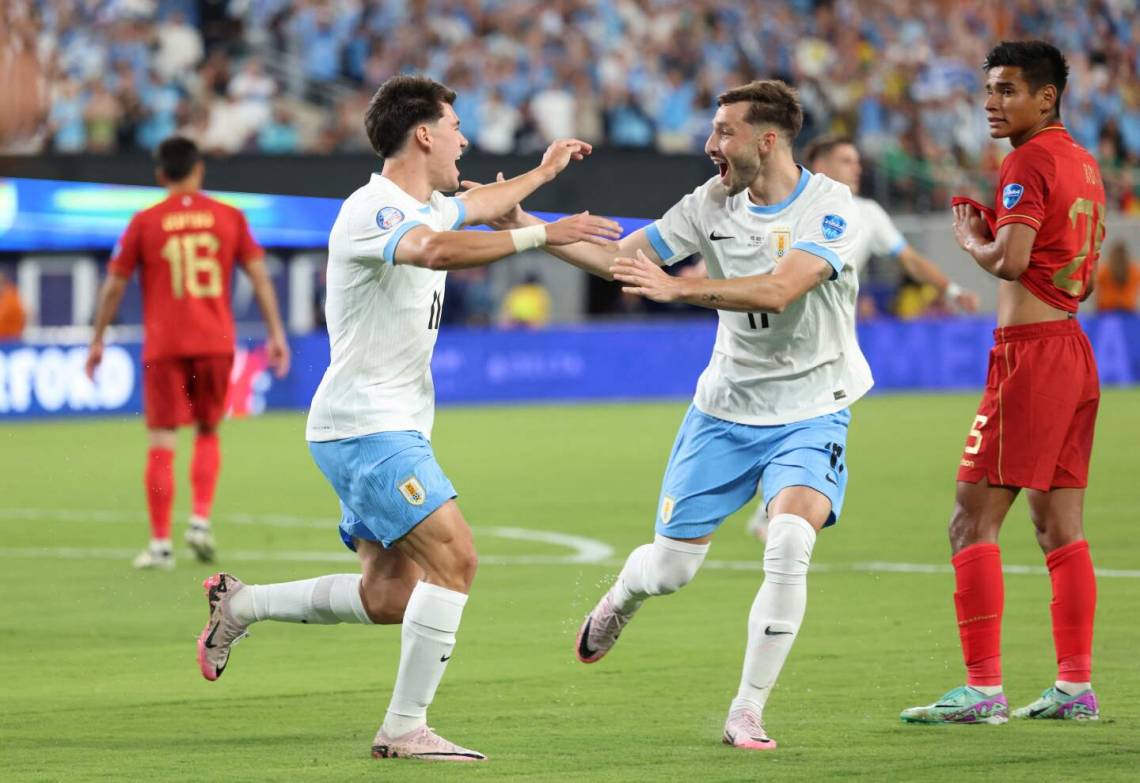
column 880, row 235
column 765, row 368
column 383, row 319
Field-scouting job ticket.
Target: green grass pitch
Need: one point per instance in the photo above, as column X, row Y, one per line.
column 98, row 664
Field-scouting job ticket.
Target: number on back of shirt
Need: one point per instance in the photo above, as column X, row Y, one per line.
column 763, row 321
column 436, row 310
column 194, row 265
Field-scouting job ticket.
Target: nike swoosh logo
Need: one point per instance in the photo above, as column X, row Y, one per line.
column 769, row 632
column 833, row 481
column 715, row 237
column 210, row 639
column 444, row 658
column 584, row 648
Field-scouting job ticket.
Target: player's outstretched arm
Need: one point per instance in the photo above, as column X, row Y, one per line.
column 1005, row 255
column 110, row 297
column 794, row 276
column 276, row 344
column 924, row 270
column 485, row 204
column 444, row 250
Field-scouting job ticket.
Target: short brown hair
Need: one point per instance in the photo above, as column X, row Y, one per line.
column 772, row 103
column 400, row 104
column 823, row 145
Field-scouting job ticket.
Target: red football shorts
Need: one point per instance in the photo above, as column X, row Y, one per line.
column 186, row 390
column 1034, row 427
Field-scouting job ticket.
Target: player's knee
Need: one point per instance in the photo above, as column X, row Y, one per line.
column 386, row 599
column 787, row 553
column 674, row 564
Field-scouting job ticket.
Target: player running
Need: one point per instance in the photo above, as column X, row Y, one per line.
column 371, row 418
column 773, row 403
column 1034, row 427
column 837, row 157
column 185, row 247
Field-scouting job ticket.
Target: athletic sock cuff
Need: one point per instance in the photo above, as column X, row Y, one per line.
column 975, row 552
column 683, row 547
column 435, row 607
column 792, row 519
column 1059, row 555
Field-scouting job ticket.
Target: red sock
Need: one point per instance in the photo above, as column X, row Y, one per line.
column 204, row 468
column 160, row 491
column 979, row 598
column 1073, row 607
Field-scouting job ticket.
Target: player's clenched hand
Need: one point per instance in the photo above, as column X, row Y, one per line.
column 643, row 277
column 561, row 151
column 514, row 217
column 94, row 357
column 278, row 354
column 583, row 227
column 970, row 228
column 967, row 302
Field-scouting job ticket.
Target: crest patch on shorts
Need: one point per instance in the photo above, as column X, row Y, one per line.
column 388, row 218
column 666, row 509
column 413, row 491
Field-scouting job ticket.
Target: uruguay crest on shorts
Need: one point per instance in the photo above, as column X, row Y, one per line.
column 413, row 491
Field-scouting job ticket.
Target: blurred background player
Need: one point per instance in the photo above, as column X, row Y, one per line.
column 837, row 157
column 370, row 423
column 779, row 244
column 1034, row 427
column 185, row 248
column 1117, row 281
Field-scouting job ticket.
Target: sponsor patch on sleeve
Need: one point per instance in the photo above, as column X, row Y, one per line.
column 388, row 218
column 1011, row 194
column 833, row 227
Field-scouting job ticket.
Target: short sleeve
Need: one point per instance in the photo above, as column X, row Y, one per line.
column 1023, row 188
column 828, row 230
column 450, row 209
column 375, row 234
column 677, row 234
column 247, row 248
column 883, row 236
column 128, row 250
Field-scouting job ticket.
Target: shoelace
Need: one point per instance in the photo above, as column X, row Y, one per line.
column 753, row 725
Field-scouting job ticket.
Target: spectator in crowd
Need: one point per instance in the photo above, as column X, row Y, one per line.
column 527, row 304
column 1117, row 281
column 12, row 316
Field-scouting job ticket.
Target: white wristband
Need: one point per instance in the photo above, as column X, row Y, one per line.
column 953, row 291
column 529, row 237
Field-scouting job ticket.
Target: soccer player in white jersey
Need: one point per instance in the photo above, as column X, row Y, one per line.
column 837, row 157
column 773, row 402
column 371, row 418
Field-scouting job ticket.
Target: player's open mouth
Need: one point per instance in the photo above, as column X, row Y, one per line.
column 723, row 167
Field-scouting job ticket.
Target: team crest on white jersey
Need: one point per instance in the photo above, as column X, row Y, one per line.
column 666, row 510
column 388, row 218
column 1011, row 194
column 780, row 241
column 413, row 491
column 833, row 227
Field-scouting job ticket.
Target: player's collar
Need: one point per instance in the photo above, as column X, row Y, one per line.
column 1047, row 128
column 772, row 209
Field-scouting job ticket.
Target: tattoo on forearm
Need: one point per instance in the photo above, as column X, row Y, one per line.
column 714, row 298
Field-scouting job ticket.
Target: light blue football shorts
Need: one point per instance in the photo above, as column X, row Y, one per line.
column 716, row 464
column 387, row 483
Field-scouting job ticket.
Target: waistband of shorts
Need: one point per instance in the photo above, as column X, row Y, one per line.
column 1009, row 334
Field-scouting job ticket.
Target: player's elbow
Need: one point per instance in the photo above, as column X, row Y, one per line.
column 1008, row 268
column 773, row 298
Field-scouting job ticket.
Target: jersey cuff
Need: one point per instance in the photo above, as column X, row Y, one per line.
column 897, row 247
column 1018, row 217
column 461, row 218
column 660, row 246
column 830, row 256
column 390, row 248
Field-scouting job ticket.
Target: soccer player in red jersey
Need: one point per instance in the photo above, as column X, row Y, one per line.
column 1034, row 427
column 185, row 249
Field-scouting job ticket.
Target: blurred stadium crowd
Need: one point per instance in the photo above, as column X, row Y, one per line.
column 288, row 76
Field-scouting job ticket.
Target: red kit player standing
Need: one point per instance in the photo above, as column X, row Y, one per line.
column 1034, row 427
column 185, row 249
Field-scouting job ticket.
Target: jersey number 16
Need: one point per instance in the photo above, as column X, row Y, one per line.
column 194, row 265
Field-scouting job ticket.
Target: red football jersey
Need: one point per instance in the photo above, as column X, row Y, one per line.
column 187, row 246
column 1053, row 184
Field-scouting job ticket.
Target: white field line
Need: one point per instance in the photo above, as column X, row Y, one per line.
column 585, row 551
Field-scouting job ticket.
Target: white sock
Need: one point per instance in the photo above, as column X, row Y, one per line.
column 426, row 641
column 161, row 545
column 660, row 568
column 1072, row 688
column 778, row 609
column 325, row 600
column 987, row 690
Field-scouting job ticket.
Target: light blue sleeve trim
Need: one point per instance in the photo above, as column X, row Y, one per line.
column 462, row 217
column 898, row 247
column 660, row 246
column 390, row 248
column 830, row 256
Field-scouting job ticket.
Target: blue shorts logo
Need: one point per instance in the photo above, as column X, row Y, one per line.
column 833, row 227
column 388, row 218
column 1011, row 195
